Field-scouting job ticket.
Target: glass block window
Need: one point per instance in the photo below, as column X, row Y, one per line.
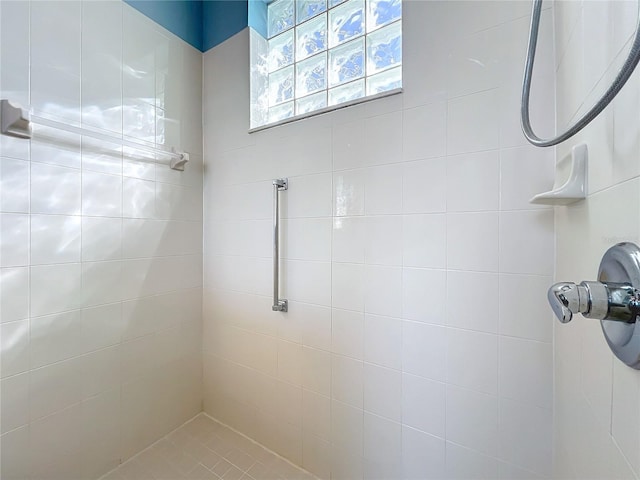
column 316, row 54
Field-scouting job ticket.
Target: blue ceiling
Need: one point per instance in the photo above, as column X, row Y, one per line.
column 202, row 23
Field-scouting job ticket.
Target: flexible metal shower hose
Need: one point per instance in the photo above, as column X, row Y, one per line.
column 622, row 77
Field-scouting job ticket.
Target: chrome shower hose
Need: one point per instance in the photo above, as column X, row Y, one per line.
column 622, row 77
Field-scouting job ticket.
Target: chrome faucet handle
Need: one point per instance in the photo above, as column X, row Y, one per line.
column 567, row 298
column 602, row 301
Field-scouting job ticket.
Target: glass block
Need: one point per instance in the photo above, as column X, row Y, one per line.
column 279, row 17
column 281, row 112
column 311, row 75
column 385, row 81
column 384, row 48
column 347, row 92
column 346, row 62
column 309, row 8
column 311, row 103
column 281, row 51
column 311, row 37
column 346, row 21
column 382, row 12
column 333, row 3
column 281, row 86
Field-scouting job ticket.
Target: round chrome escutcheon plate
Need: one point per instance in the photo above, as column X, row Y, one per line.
column 621, row 264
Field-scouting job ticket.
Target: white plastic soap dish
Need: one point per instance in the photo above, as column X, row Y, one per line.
column 575, row 188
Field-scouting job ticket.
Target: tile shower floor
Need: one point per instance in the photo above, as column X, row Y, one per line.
column 203, row 449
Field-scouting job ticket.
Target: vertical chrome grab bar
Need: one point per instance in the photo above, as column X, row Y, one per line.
column 279, row 305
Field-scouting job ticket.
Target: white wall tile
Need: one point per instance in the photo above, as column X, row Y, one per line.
column 349, row 234
column 416, row 196
column 534, row 228
column 472, row 420
column 15, row 240
column 14, row 294
column 383, row 139
column 15, row 411
column 14, row 181
column 482, row 373
column 383, row 341
column 464, row 463
column 15, row 345
column 382, row 447
column 55, row 190
column 424, row 241
column 347, row 379
column 55, row 338
column 479, row 254
column 383, row 391
column 383, row 190
column 383, row 287
column 383, row 240
column 347, row 333
column 424, row 350
column 348, row 193
column 101, row 195
column 55, row 288
column 473, row 182
column 424, row 131
column 101, row 238
column 423, row 455
column 473, row 123
column 480, row 290
column 534, row 322
column 349, row 145
column 418, row 392
column 55, row 239
column 422, row 291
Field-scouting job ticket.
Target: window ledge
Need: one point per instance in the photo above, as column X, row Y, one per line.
column 332, row 108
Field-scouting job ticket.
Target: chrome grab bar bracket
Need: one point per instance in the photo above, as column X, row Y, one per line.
column 279, row 304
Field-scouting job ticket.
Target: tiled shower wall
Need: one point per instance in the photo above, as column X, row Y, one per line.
column 418, row 339
column 597, row 398
column 101, row 255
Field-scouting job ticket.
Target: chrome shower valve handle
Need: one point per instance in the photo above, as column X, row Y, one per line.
column 601, row 301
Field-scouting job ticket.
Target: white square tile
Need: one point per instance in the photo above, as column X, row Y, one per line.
column 536, row 165
column 347, row 333
column 383, row 341
column 15, row 411
column 55, row 338
column 306, row 239
column 383, row 240
column 416, row 197
column 14, row 294
column 532, row 451
column 382, row 447
column 347, row 380
column 472, row 420
column 316, row 371
column 48, row 149
column 308, row 282
column 307, row 196
column 383, row 139
column 482, row 373
column 480, row 290
column 102, row 327
column 424, row 350
column 424, row 241
column 349, row 145
column 347, row 427
column 423, row 455
column 424, row 131
column 101, row 195
column 422, row 294
column 138, row 198
column 473, row 123
column 348, row 193
column 526, row 371
column 14, row 250
column 383, row 287
column 64, row 199
column 14, row 185
column 102, row 282
column 316, row 414
column 15, row 347
column 534, row 229
column 535, row 321
column 423, row 404
column 349, row 235
column 383, row 190
column 473, row 182
column 383, row 391
column 54, row 387
column 472, row 242
column 101, row 238
column 55, row 288
column 55, row 239
column 465, row 463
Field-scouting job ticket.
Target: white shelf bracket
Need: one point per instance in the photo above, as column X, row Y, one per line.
column 15, row 120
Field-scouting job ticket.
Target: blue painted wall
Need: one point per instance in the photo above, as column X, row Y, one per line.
column 202, row 23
